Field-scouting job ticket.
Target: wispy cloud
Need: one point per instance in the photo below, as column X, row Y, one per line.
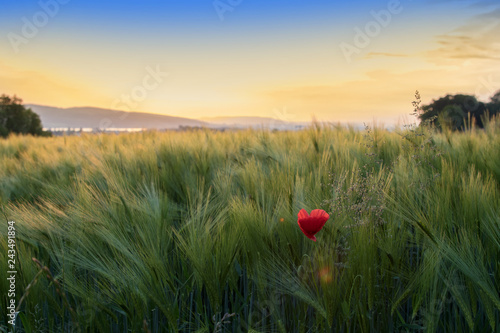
column 476, row 39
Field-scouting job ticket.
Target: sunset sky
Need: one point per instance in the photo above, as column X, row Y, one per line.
column 348, row 61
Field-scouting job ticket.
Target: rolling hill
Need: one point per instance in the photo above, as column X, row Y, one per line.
column 90, row 117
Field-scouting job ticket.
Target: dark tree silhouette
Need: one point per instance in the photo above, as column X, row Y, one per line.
column 496, row 98
column 15, row 118
column 494, row 104
column 451, row 111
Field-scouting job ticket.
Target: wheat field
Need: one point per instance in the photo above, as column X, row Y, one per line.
column 197, row 231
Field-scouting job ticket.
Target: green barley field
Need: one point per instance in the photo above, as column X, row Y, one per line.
column 197, row 231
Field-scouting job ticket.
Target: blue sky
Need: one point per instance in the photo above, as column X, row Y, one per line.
column 261, row 57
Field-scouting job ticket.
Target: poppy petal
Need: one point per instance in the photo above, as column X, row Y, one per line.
column 304, row 229
column 320, row 213
column 312, row 224
column 308, row 234
column 303, row 214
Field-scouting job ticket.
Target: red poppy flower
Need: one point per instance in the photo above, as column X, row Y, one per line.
column 312, row 224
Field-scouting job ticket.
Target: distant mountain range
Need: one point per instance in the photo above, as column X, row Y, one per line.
column 97, row 118
column 89, row 117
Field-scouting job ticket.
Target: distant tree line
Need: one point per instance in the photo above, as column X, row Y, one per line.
column 16, row 118
column 456, row 112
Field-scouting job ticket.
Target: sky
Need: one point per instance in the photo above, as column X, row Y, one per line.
column 295, row 60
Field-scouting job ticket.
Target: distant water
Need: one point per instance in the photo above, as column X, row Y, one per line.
column 90, row 130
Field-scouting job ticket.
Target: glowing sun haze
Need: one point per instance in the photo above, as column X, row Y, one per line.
column 339, row 61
